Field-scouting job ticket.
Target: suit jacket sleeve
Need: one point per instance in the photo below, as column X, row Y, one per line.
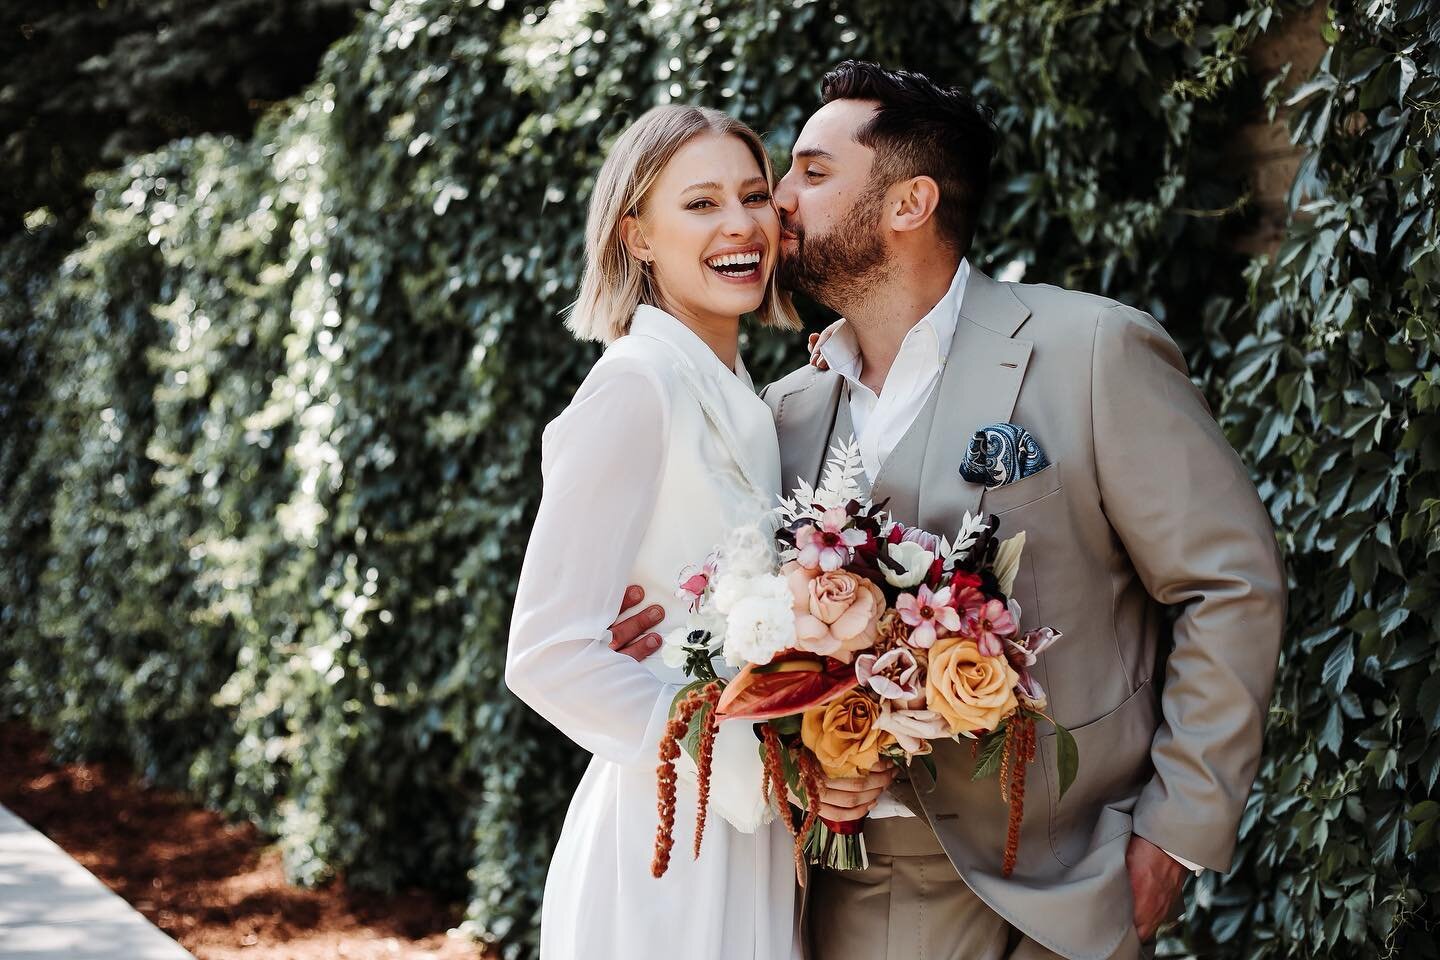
column 1183, row 505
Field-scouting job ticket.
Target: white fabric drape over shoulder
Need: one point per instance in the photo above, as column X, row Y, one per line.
column 661, row 452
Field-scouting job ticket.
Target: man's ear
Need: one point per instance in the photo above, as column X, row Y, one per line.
column 634, row 238
column 912, row 203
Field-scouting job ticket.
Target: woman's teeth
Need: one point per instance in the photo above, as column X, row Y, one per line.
column 738, row 266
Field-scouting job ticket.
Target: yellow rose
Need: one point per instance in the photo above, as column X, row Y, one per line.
column 843, row 736
column 970, row 690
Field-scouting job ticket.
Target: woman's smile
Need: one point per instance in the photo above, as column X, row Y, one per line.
column 741, row 265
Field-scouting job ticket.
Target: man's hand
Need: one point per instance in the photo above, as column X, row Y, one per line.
column 628, row 633
column 1156, row 879
column 850, row 798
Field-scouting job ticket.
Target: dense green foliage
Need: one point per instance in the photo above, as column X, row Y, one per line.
column 87, row 82
column 270, row 452
column 1331, row 392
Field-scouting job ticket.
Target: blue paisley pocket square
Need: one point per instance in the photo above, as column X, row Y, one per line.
column 1002, row 453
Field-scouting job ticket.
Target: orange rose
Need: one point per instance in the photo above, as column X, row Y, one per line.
column 843, row 736
column 971, row 691
column 836, row 613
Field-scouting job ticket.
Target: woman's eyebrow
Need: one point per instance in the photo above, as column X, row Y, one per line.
column 712, row 185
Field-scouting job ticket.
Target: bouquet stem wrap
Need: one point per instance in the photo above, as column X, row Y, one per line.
column 838, row 844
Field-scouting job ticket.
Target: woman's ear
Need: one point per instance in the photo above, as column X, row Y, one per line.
column 634, row 238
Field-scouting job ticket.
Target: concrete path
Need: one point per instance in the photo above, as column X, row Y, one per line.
column 53, row 908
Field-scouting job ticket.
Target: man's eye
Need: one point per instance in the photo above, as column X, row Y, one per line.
column 814, row 174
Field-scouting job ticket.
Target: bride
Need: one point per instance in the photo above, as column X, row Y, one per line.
column 664, row 448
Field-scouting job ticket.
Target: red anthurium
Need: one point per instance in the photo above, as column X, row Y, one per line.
column 791, row 683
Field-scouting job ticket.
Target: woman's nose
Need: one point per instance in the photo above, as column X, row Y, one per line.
column 740, row 222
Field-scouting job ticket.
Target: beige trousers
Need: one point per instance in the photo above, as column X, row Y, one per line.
column 910, row 904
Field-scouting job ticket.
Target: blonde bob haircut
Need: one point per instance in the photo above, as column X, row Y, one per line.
column 615, row 283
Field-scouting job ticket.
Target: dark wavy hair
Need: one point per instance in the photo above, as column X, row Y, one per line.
column 923, row 129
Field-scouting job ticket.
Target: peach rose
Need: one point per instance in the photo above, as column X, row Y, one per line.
column 836, row 613
column 843, row 736
column 971, row 691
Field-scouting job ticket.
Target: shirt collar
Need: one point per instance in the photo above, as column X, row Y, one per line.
column 650, row 321
column 934, row 332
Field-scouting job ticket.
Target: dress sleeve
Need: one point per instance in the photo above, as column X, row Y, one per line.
column 601, row 461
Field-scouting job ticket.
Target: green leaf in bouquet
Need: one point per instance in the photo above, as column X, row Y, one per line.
column 1067, row 758
column 690, row 743
column 684, row 692
column 792, row 772
column 787, row 726
column 992, row 750
column 928, row 762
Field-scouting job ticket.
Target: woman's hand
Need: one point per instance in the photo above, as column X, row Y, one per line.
column 851, row 798
column 628, row 634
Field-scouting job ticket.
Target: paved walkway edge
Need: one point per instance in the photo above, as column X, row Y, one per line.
column 52, row 908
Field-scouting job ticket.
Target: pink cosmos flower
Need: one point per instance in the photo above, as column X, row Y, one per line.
column 927, row 613
column 894, row 675
column 829, row 545
column 988, row 626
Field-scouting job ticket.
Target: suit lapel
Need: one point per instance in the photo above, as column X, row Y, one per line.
column 804, row 421
column 978, row 387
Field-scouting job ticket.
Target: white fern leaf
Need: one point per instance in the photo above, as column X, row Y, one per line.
column 969, row 532
column 837, row 485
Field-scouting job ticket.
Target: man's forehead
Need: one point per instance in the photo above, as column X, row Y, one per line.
column 831, row 130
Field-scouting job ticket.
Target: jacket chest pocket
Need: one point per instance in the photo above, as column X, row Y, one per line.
column 1012, row 496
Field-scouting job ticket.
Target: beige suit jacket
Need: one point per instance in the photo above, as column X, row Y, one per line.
column 1145, row 505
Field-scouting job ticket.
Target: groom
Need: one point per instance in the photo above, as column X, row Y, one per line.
column 1143, row 504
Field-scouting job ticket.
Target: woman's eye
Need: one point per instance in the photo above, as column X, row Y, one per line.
column 699, row 204
column 758, row 198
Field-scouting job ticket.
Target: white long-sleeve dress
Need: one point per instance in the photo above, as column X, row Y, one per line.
column 661, row 452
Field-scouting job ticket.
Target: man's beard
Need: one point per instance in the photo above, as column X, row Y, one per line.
column 838, row 268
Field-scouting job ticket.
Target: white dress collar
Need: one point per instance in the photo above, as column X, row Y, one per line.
column 653, row 322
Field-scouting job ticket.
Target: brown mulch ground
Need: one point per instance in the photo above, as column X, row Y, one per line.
column 216, row 887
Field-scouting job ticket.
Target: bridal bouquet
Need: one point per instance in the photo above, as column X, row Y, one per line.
column 856, row 638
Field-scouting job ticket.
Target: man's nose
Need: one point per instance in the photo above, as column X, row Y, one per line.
column 784, row 195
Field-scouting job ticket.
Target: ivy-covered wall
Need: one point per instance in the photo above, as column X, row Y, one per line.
column 269, row 432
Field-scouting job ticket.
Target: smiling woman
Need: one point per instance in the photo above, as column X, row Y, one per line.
column 684, row 194
column 663, row 450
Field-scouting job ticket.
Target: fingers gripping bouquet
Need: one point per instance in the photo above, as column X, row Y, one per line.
column 857, row 638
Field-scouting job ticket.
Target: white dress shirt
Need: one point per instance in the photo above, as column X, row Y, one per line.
column 881, row 420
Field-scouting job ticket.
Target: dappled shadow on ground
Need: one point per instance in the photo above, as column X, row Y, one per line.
column 216, row 887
